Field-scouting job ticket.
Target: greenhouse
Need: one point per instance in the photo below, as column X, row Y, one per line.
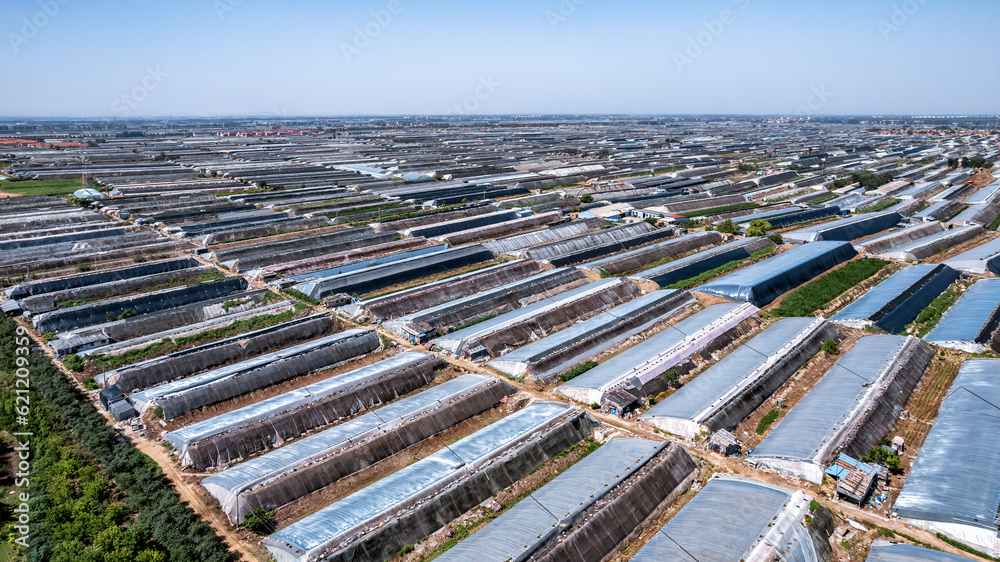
column 894, row 303
column 765, row 281
column 587, row 511
column 726, row 393
column 635, row 260
column 850, row 410
column 310, row 464
column 498, row 335
column 257, row 427
column 902, row 237
column 934, row 244
column 547, row 357
column 513, row 244
column 459, row 224
column 675, row 347
column 850, row 228
column 195, row 392
column 954, row 485
column 970, row 325
column 734, row 518
column 429, row 295
column 804, row 216
column 885, row 551
column 443, row 318
column 377, row 521
column 601, row 238
column 982, row 258
column 183, row 363
column 694, row 265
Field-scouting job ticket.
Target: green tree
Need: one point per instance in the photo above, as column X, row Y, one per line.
column 672, row 378
column 758, row 227
column 726, row 227
column 586, row 199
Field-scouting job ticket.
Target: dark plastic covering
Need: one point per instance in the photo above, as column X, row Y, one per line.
column 376, row 522
column 847, row 229
column 308, row 465
column 694, row 265
column 765, row 281
column 97, row 313
column 192, row 393
column 382, row 276
column 637, row 259
column 954, row 485
column 804, row 216
column 258, row 427
column 537, row 526
column 895, row 302
column 197, row 359
column 84, row 279
column 970, row 325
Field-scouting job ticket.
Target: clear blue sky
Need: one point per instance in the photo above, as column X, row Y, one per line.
column 305, row 57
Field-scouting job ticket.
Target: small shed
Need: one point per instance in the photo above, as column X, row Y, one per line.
column 122, row 410
column 622, row 402
column 855, row 479
column 724, row 443
column 109, row 395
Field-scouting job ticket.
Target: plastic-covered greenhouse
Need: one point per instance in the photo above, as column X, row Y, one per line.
column 847, row 229
column 897, row 238
column 514, row 245
column 694, row 265
column 459, row 224
column 935, row 243
column 588, row 510
column 376, row 522
column 885, row 551
column 260, row 426
column 896, row 302
column 971, row 325
column 192, row 393
column 673, row 348
column 729, row 391
column 553, row 354
column 68, row 282
column 310, row 464
column 208, row 356
column 433, row 294
column 804, row 216
column 954, row 485
column 734, row 518
column 765, row 281
column 601, row 238
column 505, row 332
column 850, row 410
column 386, row 275
column 637, row 259
column 982, row 258
column 489, row 302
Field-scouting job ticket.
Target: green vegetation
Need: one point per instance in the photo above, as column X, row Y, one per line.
column 747, row 167
column 882, row 455
column 688, row 283
column 768, row 419
column 93, row 496
column 672, row 378
column 831, row 347
column 880, row 206
column 993, row 225
column 72, row 303
column 260, row 521
column 976, row 162
column 578, row 370
column 758, row 227
column 167, row 345
column 776, row 239
column 586, row 199
column 57, row 188
column 726, row 227
column 815, row 506
column 475, row 321
column 965, row 548
column 930, row 316
column 297, row 294
column 818, row 294
column 824, row 199
column 723, row 209
column 73, row 362
column 868, row 180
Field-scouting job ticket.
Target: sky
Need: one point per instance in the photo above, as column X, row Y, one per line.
column 122, row 59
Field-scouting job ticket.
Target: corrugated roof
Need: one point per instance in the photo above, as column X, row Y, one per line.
column 972, row 319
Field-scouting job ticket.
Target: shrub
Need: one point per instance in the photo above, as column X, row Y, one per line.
column 259, row 521
column 830, row 346
column 776, row 238
column 672, row 377
column 577, row 370
column 758, row 227
column 586, row 199
column 73, row 362
column 726, row 227
column 767, row 420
